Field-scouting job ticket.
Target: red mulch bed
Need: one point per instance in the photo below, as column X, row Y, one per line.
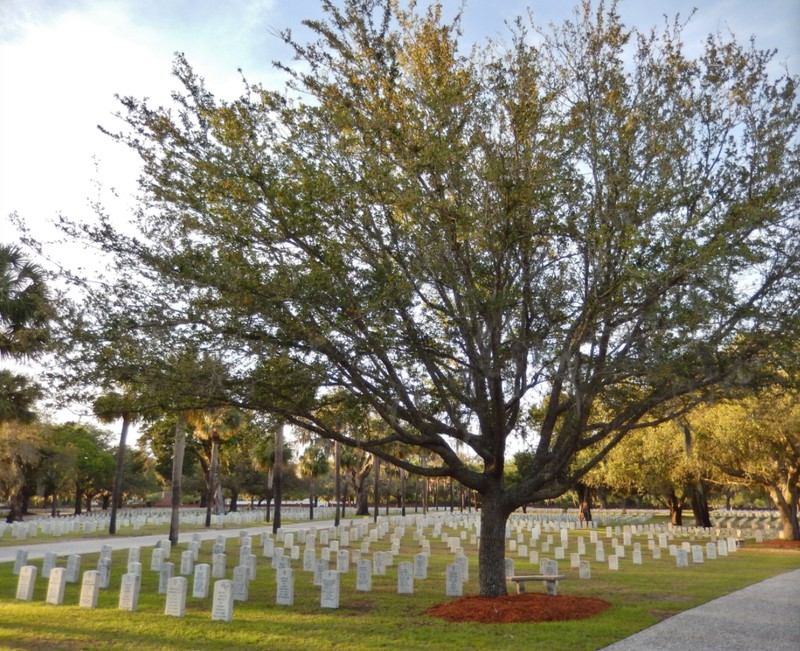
column 519, row 608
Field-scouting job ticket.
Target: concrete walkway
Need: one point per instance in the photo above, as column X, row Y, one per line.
column 765, row 615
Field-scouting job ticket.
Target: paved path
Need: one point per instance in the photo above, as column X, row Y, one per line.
column 765, row 615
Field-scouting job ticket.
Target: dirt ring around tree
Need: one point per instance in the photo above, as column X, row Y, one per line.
column 519, row 608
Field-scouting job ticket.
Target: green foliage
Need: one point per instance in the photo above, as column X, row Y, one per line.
column 93, row 471
column 755, row 441
column 18, row 396
column 447, row 239
column 25, row 305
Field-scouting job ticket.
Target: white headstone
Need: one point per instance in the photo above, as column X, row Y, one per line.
column 379, row 564
column 129, row 591
column 222, row 603
column 454, row 586
column 176, row 597
column 73, row 568
column 104, row 571
column 166, row 573
column 241, row 584
column 218, row 566
column 343, row 561
column 420, row 566
column 711, row 551
column 202, row 578
column 509, row 563
column 26, row 582
column 320, row 567
column 134, row 556
column 285, row 587
column 329, row 597
column 20, row 561
column 90, row 589
column 613, row 562
column 364, row 575
column 637, row 556
column 49, row 562
column 463, row 561
column 157, row 559
column 585, row 570
column 187, row 562
column 309, row 559
column 405, row 578
column 56, row 585
column 681, row 557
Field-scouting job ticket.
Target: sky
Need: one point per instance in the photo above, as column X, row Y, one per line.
column 63, row 61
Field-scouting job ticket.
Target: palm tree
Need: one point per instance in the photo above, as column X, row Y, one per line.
column 25, row 307
column 215, row 426
column 17, row 397
column 108, row 408
column 314, row 463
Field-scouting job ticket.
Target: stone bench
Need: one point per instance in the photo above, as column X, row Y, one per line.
column 550, row 581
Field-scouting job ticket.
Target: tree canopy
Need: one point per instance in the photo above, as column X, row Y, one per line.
column 583, row 215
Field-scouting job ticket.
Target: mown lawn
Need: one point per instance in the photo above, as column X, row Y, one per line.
column 381, row 619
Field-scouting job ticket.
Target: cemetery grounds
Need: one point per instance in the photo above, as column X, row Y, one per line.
column 638, row 595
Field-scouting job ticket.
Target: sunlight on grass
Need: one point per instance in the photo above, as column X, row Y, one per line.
column 640, row 596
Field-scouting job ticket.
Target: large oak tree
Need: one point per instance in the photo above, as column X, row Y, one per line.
column 584, row 215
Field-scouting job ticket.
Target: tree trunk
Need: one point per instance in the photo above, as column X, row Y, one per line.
column 675, row 509
column 786, row 501
column 117, row 494
column 311, row 499
column 376, row 462
column 216, row 492
column 269, row 493
column 362, row 503
column 78, row 499
column 699, row 501
column 491, row 554
column 276, row 478
column 584, row 502
column 337, row 482
column 402, row 492
column 179, row 450
column 14, row 507
column 234, row 501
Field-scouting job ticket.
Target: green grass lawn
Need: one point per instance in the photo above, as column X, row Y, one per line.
column 381, row 619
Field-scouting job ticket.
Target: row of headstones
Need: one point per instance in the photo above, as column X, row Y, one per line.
column 89, row 525
column 720, row 547
column 225, row 591
column 137, row 519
